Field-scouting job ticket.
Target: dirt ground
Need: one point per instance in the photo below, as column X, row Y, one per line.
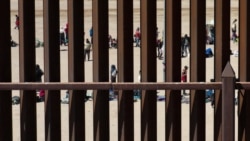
column 113, row 60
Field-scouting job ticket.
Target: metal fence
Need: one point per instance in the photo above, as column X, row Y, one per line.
column 224, row 84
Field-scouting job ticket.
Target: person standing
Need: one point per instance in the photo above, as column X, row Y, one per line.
column 137, row 36
column 113, row 73
column 234, row 30
column 39, row 73
column 91, row 32
column 137, row 92
column 17, row 22
column 66, row 30
column 87, row 48
column 159, row 44
column 62, row 36
column 186, row 45
column 184, row 77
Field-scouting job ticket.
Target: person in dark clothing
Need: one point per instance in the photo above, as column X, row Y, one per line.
column 62, row 37
column 212, row 31
column 91, row 32
column 159, row 46
column 185, row 46
column 39, row 73
column 113, row 73
column 212, row 100
column 234, row 30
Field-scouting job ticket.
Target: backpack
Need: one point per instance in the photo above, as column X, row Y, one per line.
column 209, row 52
column 15, row 100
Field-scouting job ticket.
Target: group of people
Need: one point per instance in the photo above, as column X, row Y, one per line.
column 89, row 42
column 114, row 72
column 210, row 29
column 40, row 93
column 159, row 42
column 113, row 75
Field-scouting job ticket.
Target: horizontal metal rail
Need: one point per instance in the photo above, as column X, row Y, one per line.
column 116, row 86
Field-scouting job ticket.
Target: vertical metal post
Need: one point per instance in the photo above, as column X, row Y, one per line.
column 101, row 69
column 244, row 68
column 126, row 69
column 173, row 68
column 222, row 55
column 148, row 68
column 197, row 68
column 5, row 70
column 228, row 114
column 26, row 11
column 76, row 70
column 52, row 69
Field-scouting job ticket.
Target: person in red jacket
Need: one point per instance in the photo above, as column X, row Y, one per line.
column 66, row 30
column 17, row 22
column 184, row 77
column 137, row 37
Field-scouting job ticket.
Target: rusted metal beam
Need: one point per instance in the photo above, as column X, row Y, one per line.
column 116, row 86
column 242, row 85
column 100, row 68
column 222, row 55
column 5, row 69
column 228, row 108
column 197, row 68
column 52, row 69
column 126, row 69
column 26, row 11
column 244, row 68
column 173, row 68
column 148, row 69
column 76, row 70
column 222, row 36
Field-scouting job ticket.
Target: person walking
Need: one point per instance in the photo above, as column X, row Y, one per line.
column 184, row 77
column 87, row 48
